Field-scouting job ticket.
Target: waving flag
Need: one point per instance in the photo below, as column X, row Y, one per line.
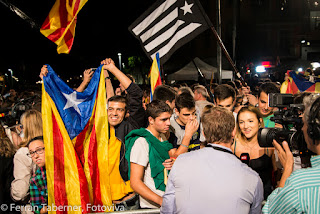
column 297, row 83
column 76, row 141
column 155, row 75
column 60, row 24
column 169, row 24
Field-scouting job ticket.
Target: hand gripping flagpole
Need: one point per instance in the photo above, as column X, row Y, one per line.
column 222, row 46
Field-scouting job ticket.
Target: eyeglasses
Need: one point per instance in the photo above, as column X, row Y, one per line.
column 39, row 151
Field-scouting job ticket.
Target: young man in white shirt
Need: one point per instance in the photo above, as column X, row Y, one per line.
column 147, row 150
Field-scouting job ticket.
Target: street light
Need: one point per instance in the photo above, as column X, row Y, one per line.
column 260, row 69
column 119, row 55
column 315, row 65
column 11, row 72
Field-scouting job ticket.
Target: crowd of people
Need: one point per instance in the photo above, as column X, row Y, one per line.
column 192, row 149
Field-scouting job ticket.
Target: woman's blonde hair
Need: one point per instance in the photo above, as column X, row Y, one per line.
column 7, row 149
column 248, row 109
column 31, row 121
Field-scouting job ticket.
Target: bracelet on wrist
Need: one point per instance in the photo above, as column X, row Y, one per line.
column 184, row 145
column 107, row 78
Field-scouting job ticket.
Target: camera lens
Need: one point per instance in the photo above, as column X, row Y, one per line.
column 266, row 136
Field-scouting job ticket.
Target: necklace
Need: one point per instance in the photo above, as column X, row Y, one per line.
column 250, row 147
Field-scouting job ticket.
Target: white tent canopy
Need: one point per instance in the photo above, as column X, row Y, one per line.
column 189, row 72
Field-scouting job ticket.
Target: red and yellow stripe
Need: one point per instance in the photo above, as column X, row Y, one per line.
column 60, row 24
column 77, row 170
column 290, row 87
column 154, row 74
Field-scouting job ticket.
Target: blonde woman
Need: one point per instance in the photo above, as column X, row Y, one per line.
column 31, row 122
column 246, row 143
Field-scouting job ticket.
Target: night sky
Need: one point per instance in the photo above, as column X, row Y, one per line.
column 101, row 31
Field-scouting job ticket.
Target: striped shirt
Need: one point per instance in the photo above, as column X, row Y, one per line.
column 301, row 193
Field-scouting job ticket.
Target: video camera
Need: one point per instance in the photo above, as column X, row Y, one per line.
column 11, row 115
column 289, row 116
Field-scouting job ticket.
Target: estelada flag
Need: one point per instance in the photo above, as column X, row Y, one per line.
column 60, row 24
column 75, row 129
column 155, row 75
column 169, row 24
column 297, row 83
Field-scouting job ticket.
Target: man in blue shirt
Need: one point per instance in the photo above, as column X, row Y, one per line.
column 299, row 192
column 213, row 179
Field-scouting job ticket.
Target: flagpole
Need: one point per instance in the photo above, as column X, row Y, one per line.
column 222, row 47
column 21, row 14
column 219, row 55
column 205, row 81
column 228, row 56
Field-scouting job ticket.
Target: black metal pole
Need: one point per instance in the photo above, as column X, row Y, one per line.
column 205, row 81
column 228, row 56
column 219, row 54
column 21, row 14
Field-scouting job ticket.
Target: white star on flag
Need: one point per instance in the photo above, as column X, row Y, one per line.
column 72, row 101
column 186, row 8
column 169, row 24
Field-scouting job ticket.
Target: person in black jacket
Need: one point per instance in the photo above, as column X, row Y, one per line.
column 124, row 115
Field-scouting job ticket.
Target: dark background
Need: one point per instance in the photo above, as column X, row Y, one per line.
column 265, row 28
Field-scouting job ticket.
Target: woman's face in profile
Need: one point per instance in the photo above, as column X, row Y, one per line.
column 248, row 124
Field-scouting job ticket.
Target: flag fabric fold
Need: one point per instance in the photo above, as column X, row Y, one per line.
column 169, row 24
column 76, row 140
column 60, row 24
column 297, row 83
column 155, row 75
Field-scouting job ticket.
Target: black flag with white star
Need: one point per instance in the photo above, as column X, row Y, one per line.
column 169, row 24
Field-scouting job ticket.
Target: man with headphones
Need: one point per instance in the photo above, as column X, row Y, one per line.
column 299, row 191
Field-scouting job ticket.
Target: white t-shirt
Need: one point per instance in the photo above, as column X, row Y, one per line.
column 140, row 155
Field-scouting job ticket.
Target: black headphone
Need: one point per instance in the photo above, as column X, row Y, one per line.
column 313, row 121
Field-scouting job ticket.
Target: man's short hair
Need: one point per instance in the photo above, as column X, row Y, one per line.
column 200, row 89
column 224, row 91
column 119, row 99
column 268, row 88
column 164, row 93
column 312, row 116
column 218, row 124
column 185, row 100
column 156, row 107
column 186, row 89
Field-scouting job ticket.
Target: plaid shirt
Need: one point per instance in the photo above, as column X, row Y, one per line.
column 38, row 190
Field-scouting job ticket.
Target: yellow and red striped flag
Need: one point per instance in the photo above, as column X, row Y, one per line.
column 76, row 142
column 154, row 74
column 60, row 24
column 296, row 84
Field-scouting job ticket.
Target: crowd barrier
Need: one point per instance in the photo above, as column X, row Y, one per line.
column 141, row 211
column 147, row 211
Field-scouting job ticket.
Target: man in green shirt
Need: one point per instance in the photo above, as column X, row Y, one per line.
column 263, row 103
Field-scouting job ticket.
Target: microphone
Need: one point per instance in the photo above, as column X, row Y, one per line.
column 245, row 158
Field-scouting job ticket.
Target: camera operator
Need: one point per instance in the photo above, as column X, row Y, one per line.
column 299, row 191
